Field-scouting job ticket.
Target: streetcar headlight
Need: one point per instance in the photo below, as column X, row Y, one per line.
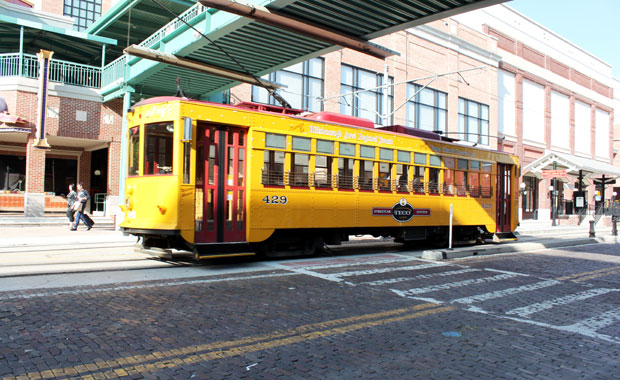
column 162, row 209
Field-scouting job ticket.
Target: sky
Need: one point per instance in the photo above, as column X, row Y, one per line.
column 593, row 25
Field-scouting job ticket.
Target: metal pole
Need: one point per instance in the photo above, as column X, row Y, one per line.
column 386, row 80
column 21, row 51
column 451, row 215
column 554, row 197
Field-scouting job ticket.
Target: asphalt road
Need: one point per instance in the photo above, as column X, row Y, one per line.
column 547, row 314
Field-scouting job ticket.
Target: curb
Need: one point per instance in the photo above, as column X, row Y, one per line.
column 446, row 254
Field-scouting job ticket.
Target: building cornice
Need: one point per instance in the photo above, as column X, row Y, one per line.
column 455, row 43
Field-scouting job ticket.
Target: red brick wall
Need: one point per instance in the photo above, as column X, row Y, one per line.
column 52, row 6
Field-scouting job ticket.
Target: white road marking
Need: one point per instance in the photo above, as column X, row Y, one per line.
column 449, row 285
column 418, row 277
column 505, row 292
column 535, row 308
column 142, row 286
column 388, row 270
column 591, row 325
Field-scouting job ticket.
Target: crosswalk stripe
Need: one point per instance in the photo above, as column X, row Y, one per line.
column 449, row 285
column 591, row 325
column 419, row 277
column 525, row 311
column 388, row 270
column 505, row 292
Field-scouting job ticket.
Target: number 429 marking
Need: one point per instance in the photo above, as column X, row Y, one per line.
column 275, row 199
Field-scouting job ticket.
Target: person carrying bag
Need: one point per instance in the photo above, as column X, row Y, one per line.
column 83, row 197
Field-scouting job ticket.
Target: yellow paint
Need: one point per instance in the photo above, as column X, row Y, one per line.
column 585, row 276
column 306, row 208
column 226, row 349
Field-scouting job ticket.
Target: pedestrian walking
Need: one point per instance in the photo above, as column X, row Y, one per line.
column 71, row 202
column 83, row 197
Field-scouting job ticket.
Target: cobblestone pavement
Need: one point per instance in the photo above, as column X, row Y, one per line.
column 551, row 314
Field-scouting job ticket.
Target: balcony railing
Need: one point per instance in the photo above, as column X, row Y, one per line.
column 60, row 71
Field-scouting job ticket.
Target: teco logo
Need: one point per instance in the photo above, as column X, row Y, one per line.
column 402, row 211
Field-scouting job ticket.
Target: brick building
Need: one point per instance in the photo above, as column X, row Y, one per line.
column 83, row 132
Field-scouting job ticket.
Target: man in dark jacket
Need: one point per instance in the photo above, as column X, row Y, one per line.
column 83, row 198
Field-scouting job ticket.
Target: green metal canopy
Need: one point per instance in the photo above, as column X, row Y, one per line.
column 133, row 21
column 250, row 46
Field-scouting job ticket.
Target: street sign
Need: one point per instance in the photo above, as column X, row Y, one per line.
column 608, row 181
column 558, row 173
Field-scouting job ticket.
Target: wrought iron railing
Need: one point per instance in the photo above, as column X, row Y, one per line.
column 59, row 71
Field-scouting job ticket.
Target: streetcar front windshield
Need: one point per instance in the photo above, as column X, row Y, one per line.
column 158, row 148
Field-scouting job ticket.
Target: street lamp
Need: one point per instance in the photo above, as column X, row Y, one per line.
column 553, row 208
column 522, row 188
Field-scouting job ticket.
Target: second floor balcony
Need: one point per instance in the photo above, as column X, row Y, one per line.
column 27, row 66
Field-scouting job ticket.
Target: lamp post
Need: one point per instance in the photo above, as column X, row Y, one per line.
column 553, row 208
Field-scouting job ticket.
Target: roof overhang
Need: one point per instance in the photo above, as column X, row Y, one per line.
column 67, row 44
column 572, row 164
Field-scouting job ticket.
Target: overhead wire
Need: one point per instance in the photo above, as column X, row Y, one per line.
column 271, row 91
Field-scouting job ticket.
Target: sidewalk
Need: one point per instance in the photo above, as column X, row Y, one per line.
column 16, row 230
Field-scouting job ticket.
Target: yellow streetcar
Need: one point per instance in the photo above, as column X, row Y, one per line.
column 215, row 179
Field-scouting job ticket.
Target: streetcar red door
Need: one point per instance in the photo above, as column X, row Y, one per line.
column 220, row 184
column 503, row 198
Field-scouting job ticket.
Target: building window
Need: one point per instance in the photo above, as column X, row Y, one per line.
column 473, row 121
column 367, row 103
column 84, row 12
column 304, row 83
column 427, row 109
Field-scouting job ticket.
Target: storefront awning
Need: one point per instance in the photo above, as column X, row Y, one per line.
column 590, row 168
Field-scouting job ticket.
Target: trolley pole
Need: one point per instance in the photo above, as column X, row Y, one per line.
column 451, row 215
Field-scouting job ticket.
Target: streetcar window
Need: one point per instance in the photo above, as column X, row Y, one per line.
column 448, row 176
column 435, row 160
column 418, row 179
column 420, row 159
column 241, row 166
column 404, row 157
column 385, row 176
column 365, row 177
column 345, row 172
column 474, row 184
column 273, row 171
column 485, row 185
column 301, row 143
column 474, row 165
column 448, row 181
column 462, row 164
column 402, row 177
column 461, row 182
column 448, row 162
column 323, row 171
column 134, row 151
column 386, row 154
column 299, row 173
column 323, row 146
column 158, row 148
column 347, row 149
column 486, row 167
column 433, row 180
column 367, row 151
column 275, row 141
column 187, row 151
